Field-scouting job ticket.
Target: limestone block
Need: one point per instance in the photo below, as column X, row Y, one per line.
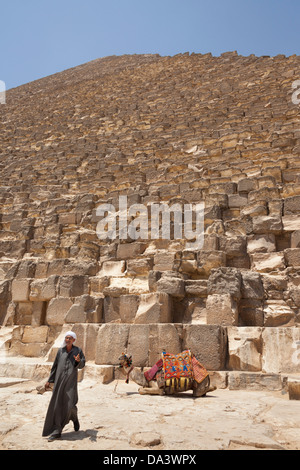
column 295, row 239
column 263, row 243
column 43, row 289
column 57, row 310
column 112, row 341
column 225, row 281
column 233, row 246
column 164, row 337
column 264, row 194
column 237, row 201
column 208, row 343
column 118, row 286
column 85, row 309
column 292, row 257
column 221, row 309
column 196, row 288
column 97, row 284
column 281, row 350
column 254, row 381
column 163, row 261
column 209, row 260
column 130, row 250
column 267, row 262
column 193, row 310
column 274, row 282
column 291, row 205
column 291, row 222
column 111, row 309
column 246, row 185
column 128, row 307
column 170, row 284
column 20, row 290
column 244, row 348
column 113, row 268
column 267, row 224
column 251, row 285
column 73, row 286
column 277, row 313
column 138, row 344
column 255, row 209
column 139, row 267
column 154, row 308
column 37, row 334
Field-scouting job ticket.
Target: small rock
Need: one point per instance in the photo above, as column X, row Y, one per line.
column 145, row 439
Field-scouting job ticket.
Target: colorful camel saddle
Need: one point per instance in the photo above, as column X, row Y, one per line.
column 178, row 369
column 176, row 366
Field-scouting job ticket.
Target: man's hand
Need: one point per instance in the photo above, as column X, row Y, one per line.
column 77, row 358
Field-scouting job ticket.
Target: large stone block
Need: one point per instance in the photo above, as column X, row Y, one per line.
column 154, row 308
column 225, row 281
column 209, row 260
column 112, row 341
column 244, row 348
column 164, row 337
column 20, row 290
column 281, row 350
column 44, row 289
column 267, row 262
column 73, row 285
column 277, row 313
column 37, row 334
column 171, row 284
column 128, row 307
column 208, row 343
column 85, row 309
column 252, row 286
column 221, row 309
column 292, row 257
column 57, row 310
column 263, row 243
column 267, row 224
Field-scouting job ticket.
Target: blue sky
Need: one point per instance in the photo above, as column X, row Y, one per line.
column 39, row 37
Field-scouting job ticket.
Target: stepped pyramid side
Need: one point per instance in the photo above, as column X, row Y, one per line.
column 185, row 129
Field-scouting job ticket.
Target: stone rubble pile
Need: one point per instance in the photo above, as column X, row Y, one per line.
column 183, row 129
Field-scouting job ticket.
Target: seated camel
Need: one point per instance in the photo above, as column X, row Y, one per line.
column 170, row 375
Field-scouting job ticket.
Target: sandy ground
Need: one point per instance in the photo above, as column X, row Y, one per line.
column 116, row 417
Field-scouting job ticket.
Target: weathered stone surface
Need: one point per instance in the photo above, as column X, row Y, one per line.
column 221, row 309
column 225, row 281
column 57, row 310
column 154, row 308
column 208, row 343
column 44, row 289
column 244, row 348
column 167, row 147
column 281, row 351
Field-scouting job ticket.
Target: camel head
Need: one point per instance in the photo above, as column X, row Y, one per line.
column 125, row 360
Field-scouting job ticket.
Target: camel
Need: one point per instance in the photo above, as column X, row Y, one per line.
column 158, row 385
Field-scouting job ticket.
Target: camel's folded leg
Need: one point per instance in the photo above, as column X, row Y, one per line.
column 150, row 391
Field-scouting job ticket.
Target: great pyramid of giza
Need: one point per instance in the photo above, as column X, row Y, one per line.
column 189, row 129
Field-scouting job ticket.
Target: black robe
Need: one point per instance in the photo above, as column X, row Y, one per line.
column 62, row 407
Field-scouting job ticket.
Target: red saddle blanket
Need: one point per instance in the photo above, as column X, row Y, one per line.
column 177, row 365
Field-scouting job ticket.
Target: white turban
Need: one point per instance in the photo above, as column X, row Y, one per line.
column 69, row 333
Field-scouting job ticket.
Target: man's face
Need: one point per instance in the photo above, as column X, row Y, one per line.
column 69, row 340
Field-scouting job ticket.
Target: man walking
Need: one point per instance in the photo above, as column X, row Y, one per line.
column 62, row 407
